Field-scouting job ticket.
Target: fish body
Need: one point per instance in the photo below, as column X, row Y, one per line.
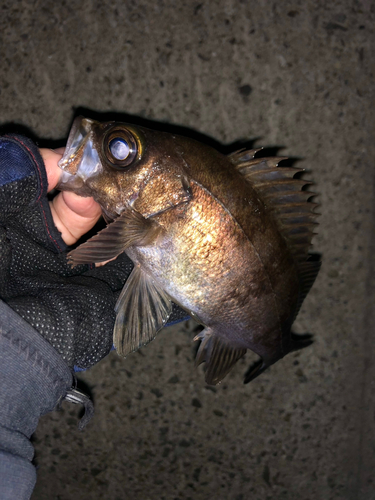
column 225, row 238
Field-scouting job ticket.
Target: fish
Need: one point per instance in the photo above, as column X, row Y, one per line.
column 225, row 237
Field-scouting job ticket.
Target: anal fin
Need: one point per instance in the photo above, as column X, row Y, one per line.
column 218, row 355
column 142, row 310
column 129, row 229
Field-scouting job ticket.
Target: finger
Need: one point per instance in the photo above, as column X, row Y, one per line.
column 61, row 151
column 74, row 215
column 50, row 158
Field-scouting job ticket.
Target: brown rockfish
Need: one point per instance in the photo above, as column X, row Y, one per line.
column 224, row 237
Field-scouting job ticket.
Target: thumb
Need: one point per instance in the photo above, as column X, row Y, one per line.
column 73, row 215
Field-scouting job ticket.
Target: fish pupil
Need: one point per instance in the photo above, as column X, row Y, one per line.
column 119, row 148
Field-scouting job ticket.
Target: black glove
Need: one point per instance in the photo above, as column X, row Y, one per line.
column 71, row 308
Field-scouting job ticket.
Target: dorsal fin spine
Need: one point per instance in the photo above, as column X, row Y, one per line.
column 283, row 196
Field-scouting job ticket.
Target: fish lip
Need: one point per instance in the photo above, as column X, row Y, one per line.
column 77, row 140
column 75, row 127
column 80, row 159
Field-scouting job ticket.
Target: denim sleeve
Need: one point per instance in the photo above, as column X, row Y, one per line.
column 33, row 380
column 23, row 179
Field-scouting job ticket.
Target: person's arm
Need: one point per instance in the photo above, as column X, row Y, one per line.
column 52, row 318
column 34, row 377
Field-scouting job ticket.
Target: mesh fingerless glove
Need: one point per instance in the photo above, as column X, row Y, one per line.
column 71, row 308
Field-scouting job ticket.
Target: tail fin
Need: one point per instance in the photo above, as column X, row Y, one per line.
column 255, row 370
column 297, row 342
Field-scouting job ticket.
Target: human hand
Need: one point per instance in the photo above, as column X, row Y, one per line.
column 73, row 215
column 71, row 308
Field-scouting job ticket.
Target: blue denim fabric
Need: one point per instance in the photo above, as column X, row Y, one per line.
column 12, row 154
column 33, row 380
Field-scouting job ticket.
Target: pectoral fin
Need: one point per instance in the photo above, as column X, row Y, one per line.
column 142, row 310
column 218, row 355
column 129, row 229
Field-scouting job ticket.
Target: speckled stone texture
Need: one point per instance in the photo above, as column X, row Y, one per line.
column 295, row 75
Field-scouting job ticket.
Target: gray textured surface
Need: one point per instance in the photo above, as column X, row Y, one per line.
column 293, row 74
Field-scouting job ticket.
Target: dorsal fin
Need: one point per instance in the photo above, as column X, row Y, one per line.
column 307, row 272
column 283, row 196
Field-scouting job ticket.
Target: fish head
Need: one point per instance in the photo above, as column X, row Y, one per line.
column 122, row 165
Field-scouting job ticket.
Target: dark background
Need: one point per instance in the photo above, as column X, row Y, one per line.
column 294, row 75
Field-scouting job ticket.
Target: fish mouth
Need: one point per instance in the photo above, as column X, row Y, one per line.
column 80, row 160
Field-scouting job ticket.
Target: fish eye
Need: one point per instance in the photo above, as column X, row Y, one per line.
column 120, row 148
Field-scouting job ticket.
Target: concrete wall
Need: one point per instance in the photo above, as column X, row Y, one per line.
column 292, row 74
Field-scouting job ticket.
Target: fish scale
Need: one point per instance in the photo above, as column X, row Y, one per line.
column 225, row 238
